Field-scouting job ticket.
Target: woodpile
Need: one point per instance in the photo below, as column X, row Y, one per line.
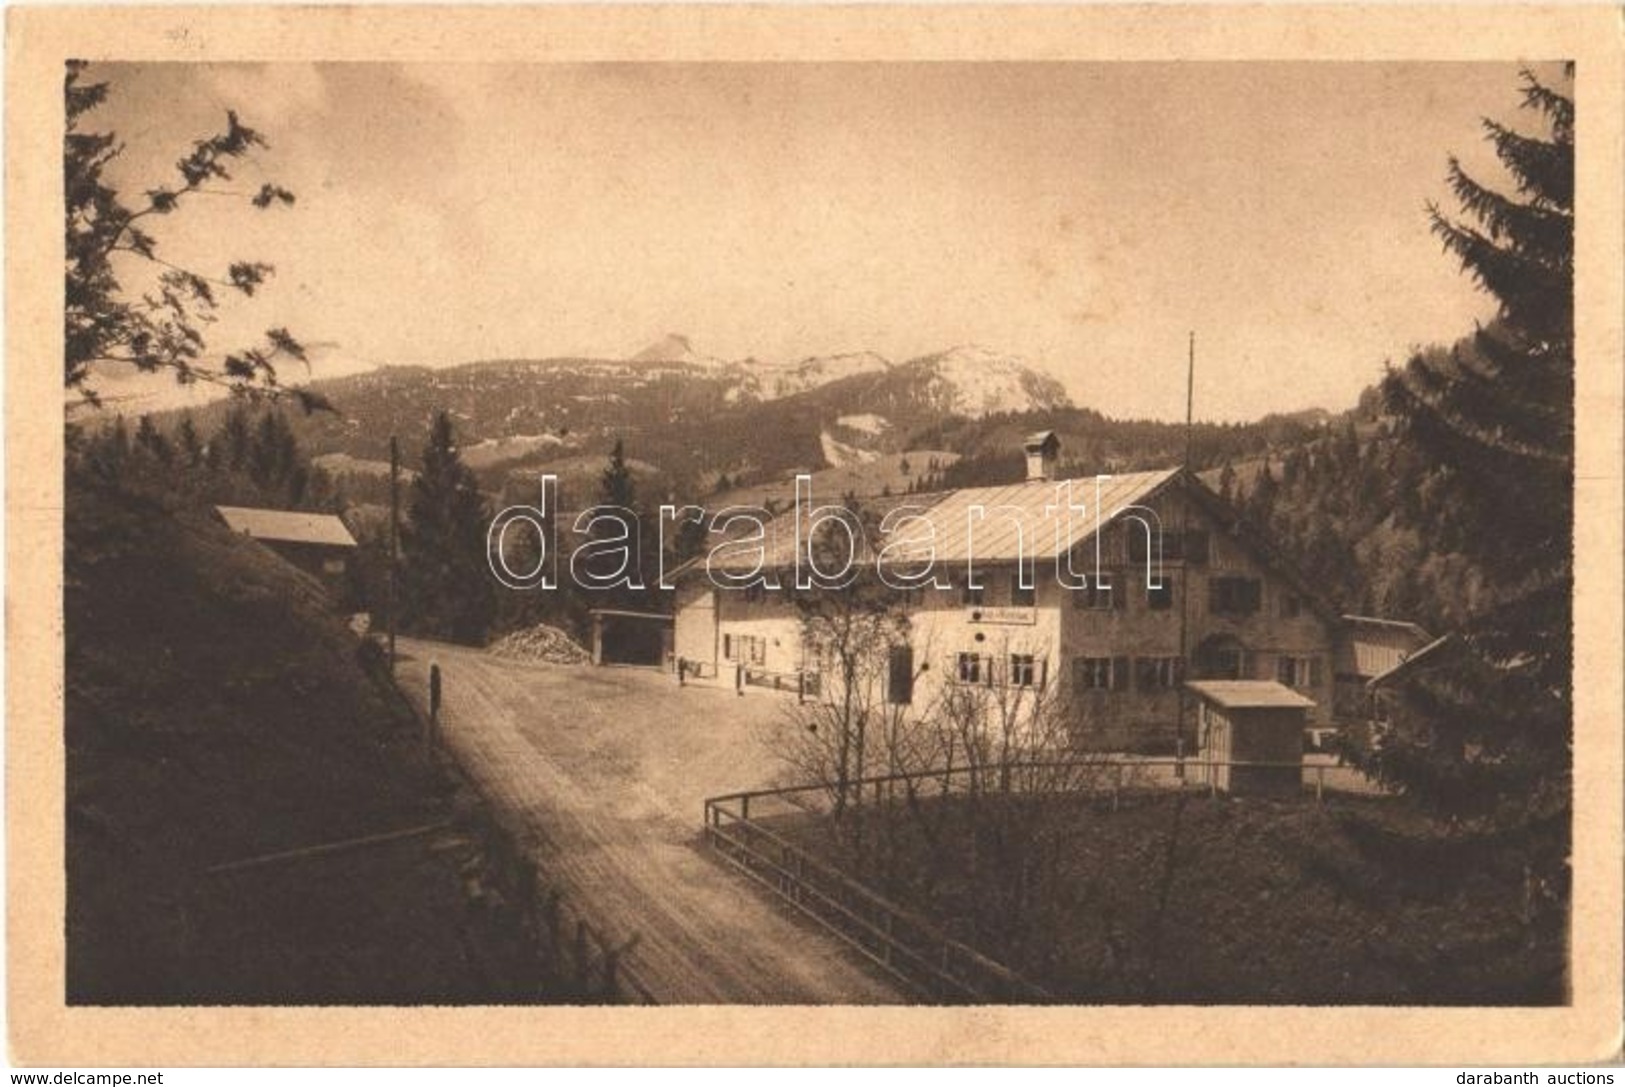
column 543, row 643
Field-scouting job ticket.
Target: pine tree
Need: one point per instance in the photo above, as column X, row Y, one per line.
column 150, row 441
column 447, row 587
column 615, row 486
column 1493, row 420
column 1260, row 506
column 187, row 442
column 229, row 449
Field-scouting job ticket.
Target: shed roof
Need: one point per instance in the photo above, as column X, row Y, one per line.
column 628, row 613
column 287, row 526
column 1249, row 694
column 1368, row 646
column 1438, row 649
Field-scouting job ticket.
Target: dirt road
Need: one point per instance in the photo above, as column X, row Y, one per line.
column 607, row 768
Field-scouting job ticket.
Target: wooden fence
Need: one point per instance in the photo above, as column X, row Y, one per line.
column 569, row 956
column 579, row 958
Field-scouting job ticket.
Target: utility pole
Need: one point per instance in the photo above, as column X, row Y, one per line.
column 1185, row 570
column 394, row 536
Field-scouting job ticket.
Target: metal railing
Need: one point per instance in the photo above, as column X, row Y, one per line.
column 906, row 945
column 902, row 943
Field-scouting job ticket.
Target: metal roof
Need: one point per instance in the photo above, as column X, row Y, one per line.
column 1249, row 694
column 1025, row 520
column 287, row 526
column 996, row 525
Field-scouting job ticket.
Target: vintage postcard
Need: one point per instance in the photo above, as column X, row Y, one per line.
column 714, row 535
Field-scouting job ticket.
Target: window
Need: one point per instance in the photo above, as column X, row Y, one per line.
column 971, row 669
column 1291, row 605
column 968, row 596
column 1178, row 545
column 1142, row 543
column 745, row 648
column 1100, row 673
column 1234, row 595
column 755, row 593
column 1299, row 671
column 1094, row 596
column 1161, row 598
column 1023, row 670
column 1154, row 674
column 1020, row 597
column 1092, row 673
column 900, row 676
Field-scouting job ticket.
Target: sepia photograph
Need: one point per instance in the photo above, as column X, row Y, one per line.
column 753, row 532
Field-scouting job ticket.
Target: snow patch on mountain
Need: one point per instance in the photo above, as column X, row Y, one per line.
column 867, row 422
column 838, row 454
column 975, row 381
column 812, row 372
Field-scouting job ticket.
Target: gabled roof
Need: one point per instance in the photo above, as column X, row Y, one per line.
column 287, row 526
column 1238, row 694
column 1025, row 504
column 1042, row 440
column 996, row 525
column 1026, row 520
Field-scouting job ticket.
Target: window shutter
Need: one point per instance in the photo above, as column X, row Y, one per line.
column 1314, row 672
column 1119, row 673
column 1119, row 591
column 1215, row 595
column 901, row 684
column 1043, row 673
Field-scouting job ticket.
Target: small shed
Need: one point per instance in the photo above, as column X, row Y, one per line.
column 1251, row 735
column 622, row 636
column 1368, row 647
column 317, row 543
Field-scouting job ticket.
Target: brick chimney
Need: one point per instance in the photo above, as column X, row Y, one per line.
column 1042, row 450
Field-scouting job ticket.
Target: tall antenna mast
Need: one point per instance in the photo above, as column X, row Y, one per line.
column 1190, row 398
column 1184, row 571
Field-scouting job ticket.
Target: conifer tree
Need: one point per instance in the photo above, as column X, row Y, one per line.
column 151, row 442
column 187, row 442
column 1495, row 419
column 447, row 587
column 615, row 486
column 1493, row 422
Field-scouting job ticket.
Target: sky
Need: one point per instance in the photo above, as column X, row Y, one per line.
column 1084, row 216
